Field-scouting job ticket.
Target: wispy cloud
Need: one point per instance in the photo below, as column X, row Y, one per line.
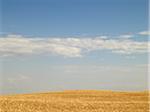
column 12, row 45
column 20, row 78
column 126, row 36
column 144, row 33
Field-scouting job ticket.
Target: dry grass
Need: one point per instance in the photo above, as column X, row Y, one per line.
column 76, row 101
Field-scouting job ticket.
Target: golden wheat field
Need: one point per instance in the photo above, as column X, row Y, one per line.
column 76, row 101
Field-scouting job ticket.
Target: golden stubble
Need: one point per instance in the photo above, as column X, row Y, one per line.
column 76, row 101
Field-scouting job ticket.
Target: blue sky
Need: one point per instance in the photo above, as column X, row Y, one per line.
column 74, row 17
column 49, row 45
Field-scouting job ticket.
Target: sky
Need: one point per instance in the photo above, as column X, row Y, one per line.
column 55, row 45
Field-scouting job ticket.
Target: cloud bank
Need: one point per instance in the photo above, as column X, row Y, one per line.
column 14, row 45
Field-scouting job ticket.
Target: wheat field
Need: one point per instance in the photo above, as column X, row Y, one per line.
column 76, row 101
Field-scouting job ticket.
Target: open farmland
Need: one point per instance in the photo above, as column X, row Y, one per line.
column 76, row 101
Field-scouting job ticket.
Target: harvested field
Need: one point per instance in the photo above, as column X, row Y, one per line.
column 76, row 101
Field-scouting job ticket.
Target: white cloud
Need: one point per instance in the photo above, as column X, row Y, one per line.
column 13, row 45
column 102, row 37
column 126, row 36
column 145, row 33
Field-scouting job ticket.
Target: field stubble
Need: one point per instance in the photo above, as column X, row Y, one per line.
column 76, row 101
